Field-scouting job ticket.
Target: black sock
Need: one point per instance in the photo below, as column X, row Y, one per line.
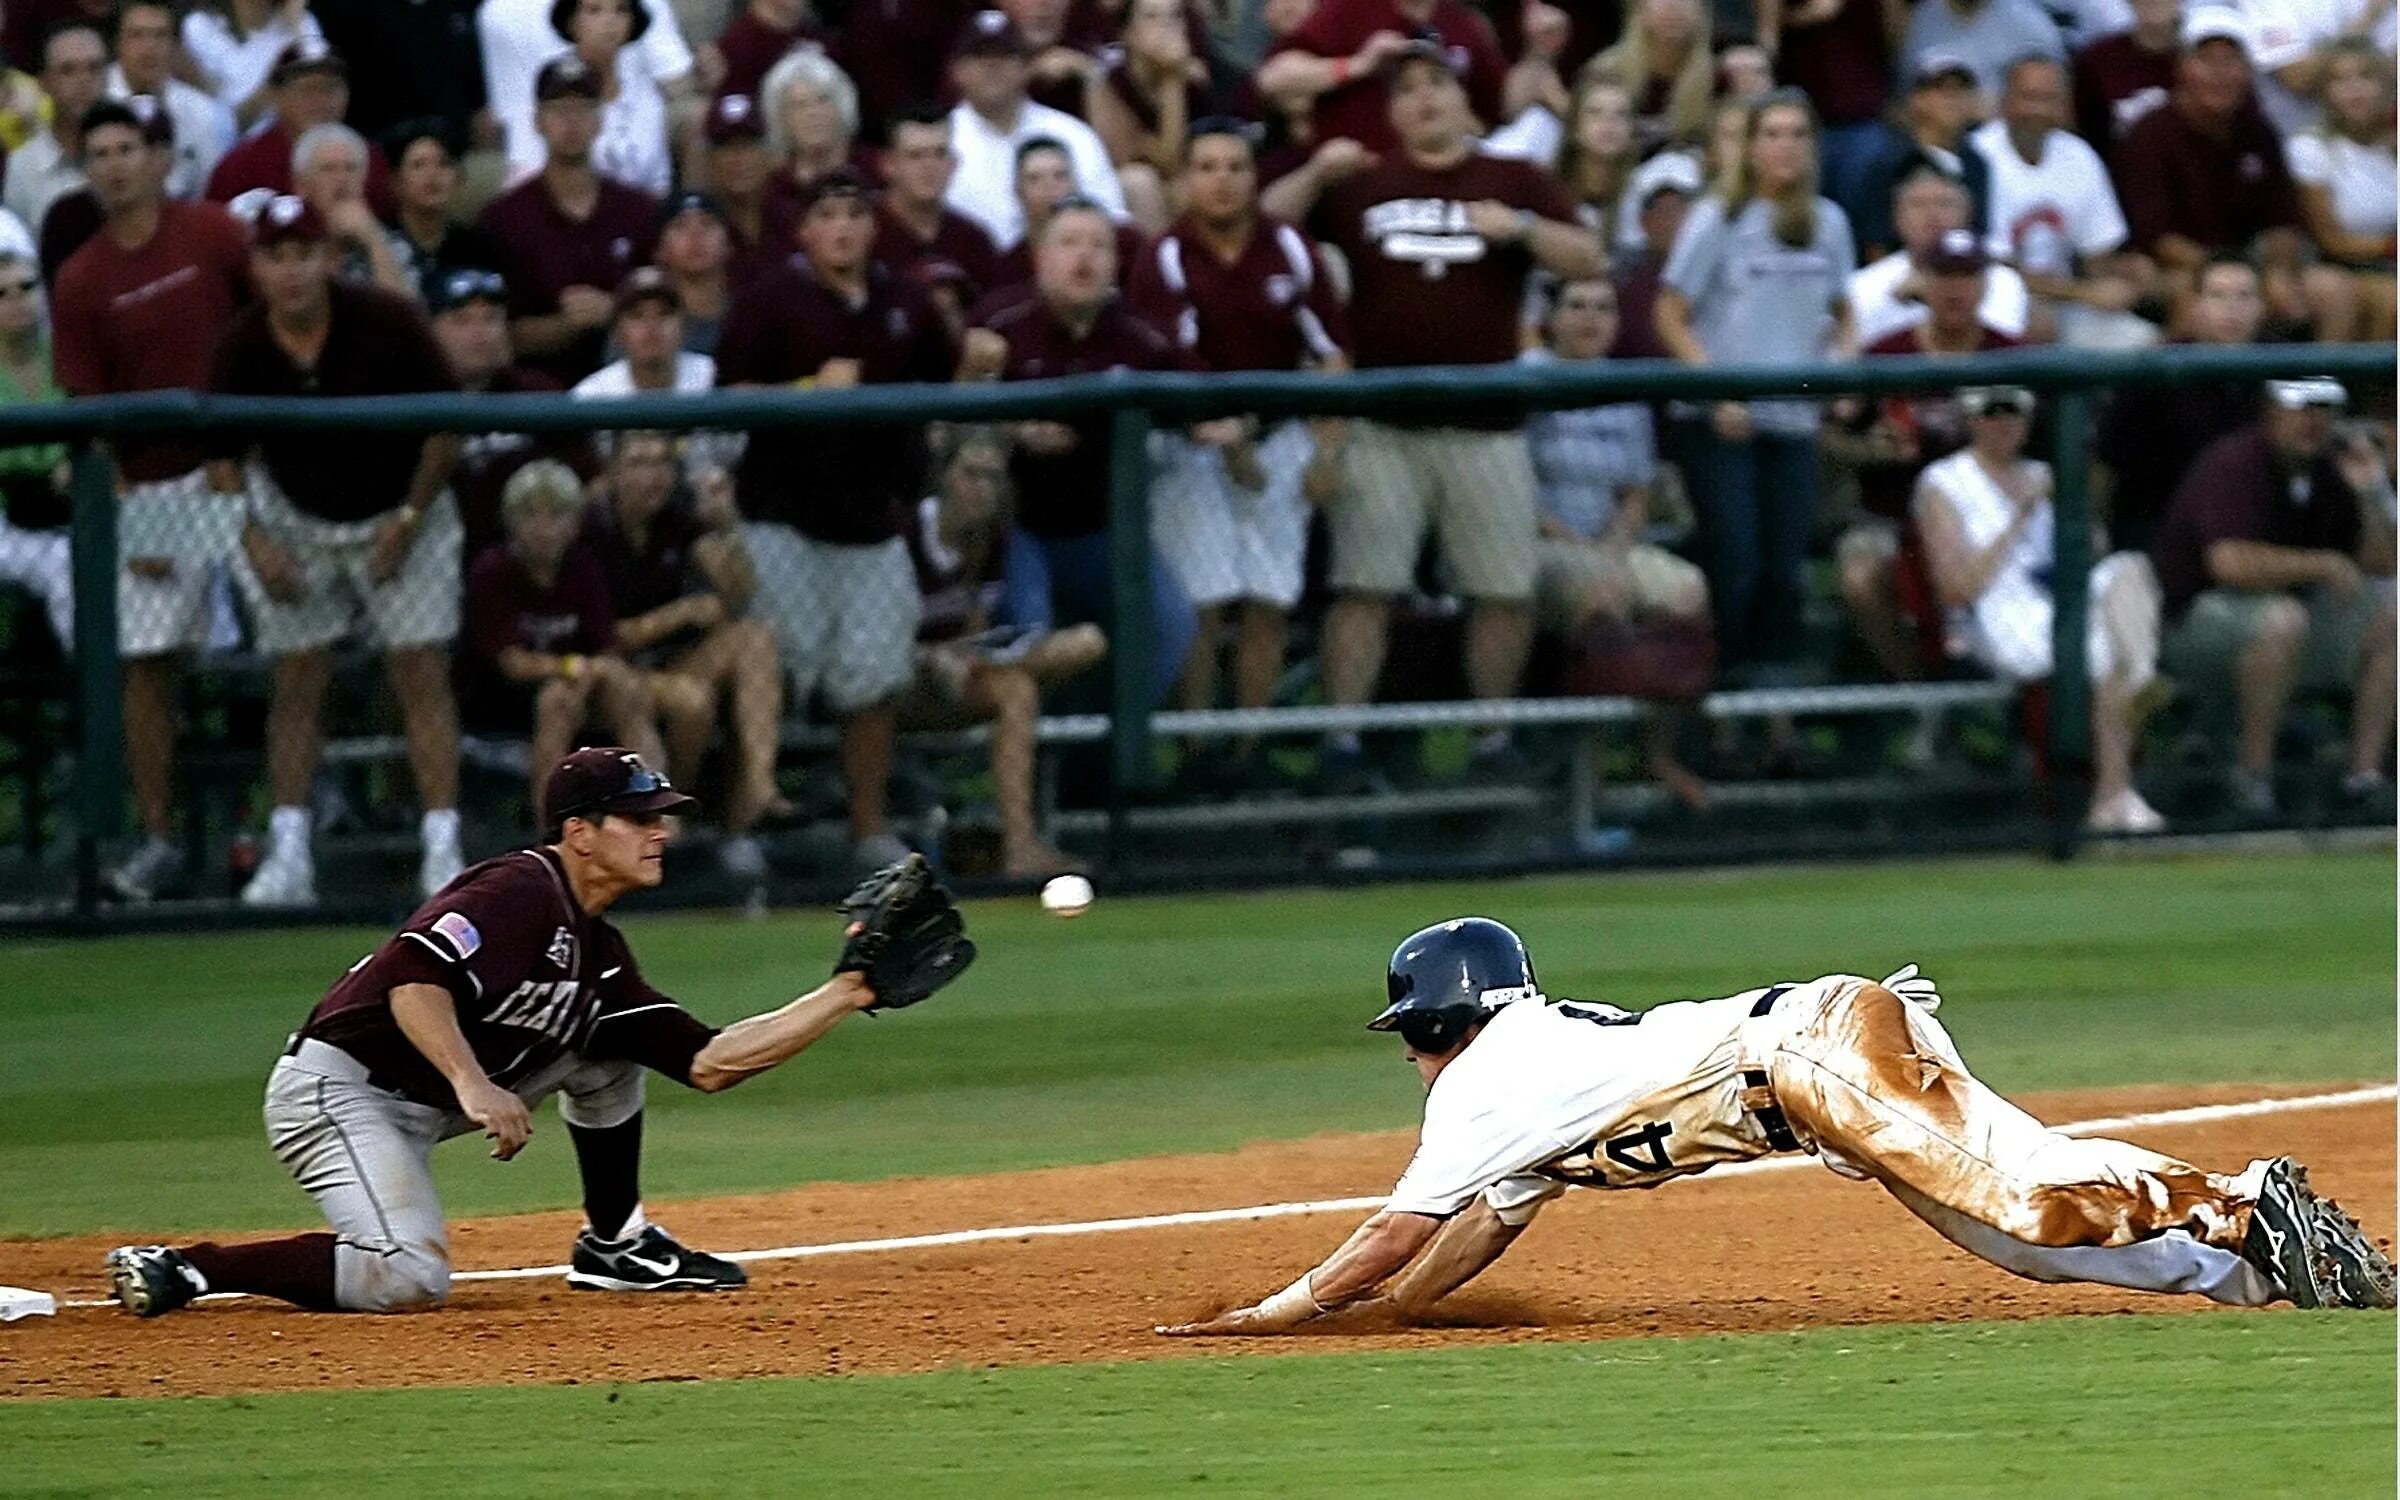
column 299, row 1270
column 611, row 1160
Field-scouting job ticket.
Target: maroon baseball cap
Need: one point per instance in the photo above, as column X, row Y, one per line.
column 841, row 182
column 309, row 54
column 1957, row 253
column 566, row 76
column 990, row 33
column 286, row 220
column 608, row 778
column 733, row 117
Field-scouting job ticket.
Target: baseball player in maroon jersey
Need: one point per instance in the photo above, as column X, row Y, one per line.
column 508, row 986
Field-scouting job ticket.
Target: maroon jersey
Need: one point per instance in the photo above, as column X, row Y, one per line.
column 1360, row 109
column 2117, row 81
column 149, row 319
column 1272, row 307
column 650, row 574
column 2240, row 489
column 959, row 241
column 547, row 252
column 506, row 606
column 263, row 163
column 2220, row 191
column 377, row 344
column 1066, row 494
column 750, row 47
column 840, row 485
column 778, row 227
column 534, row 979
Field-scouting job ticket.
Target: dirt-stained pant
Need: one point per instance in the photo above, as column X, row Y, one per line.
column 1875, row 1086
column 365, row 1153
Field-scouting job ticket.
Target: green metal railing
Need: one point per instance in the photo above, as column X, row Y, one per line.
column 1135, row 404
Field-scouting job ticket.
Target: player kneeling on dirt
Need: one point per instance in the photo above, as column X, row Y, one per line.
column 506, row 987
column 1526, row 1097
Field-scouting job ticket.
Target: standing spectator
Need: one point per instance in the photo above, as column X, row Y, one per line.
column 427, row 62
column 2277, row 575
column 340, row 525
column 35, row 511
column 2120, row 78
column 1441, row 241
column 826, row 506
column 140, row 307
column 634, row 145
column 470, row 322
column 1072, row 323
column 1046, row 179
column 1331, row 68
column 1843, row 55
column 2294, row 44
column 1933, row 133
column 695, row 250
column 75, row 216
column 914, row 230
column 811, row 113
column 735, row 169
column 994, row 118
column 571, row 233
column 329, row 171
column 2149, row 434
column 1242, row 292
column 233, row 45
column 1756, row 278
column 2055, row 217
column 1987, row 35
column 2349, row 185
column 540, row 625
column 1659, row 198
column 522, row 38
column 658, row 361
column 426, row 230
column 898, row 51
column 144, row 65
column 1598, row 160
column 1664, row 66
column 48, row 167
column 312, row 88
column 1143, row 100
column 1991, row 543
column 680, row 581
column 763, row 34
column 1887, row 295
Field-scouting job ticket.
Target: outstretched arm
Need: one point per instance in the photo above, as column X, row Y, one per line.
column 763, row 1041
column 1469, row 1241
column 1375, row 1250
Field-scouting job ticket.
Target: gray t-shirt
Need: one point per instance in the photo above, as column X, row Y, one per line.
column 1583, row 459
column 1757, row 300
column 1995, row 34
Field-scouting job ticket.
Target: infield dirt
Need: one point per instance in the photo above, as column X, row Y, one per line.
column 1763, row 1252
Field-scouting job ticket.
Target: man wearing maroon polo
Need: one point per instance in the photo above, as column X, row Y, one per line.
column 569, row 233
column 311, row 87
column 826, row 506
column 737, row 169
column 139, row 308
column 2205, row 172
column 915, row 230
column 2120, row 78
column 342, row 525
column 1334, row 63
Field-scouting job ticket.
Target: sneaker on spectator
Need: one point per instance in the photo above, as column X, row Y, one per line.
column 2126, row 812
column 2252, row 792
column 147, row 871
column 442, row 864
column 877, row 850
column 287, row 879
column 742, row 857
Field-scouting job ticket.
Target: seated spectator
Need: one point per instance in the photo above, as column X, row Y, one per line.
column 646, row 92
column 2349, row 185
column 2277, row 574
column 34, row 507
column 517, row 39
column 571, row 233
column 811, row 111
column 1839, row 53
column 915, row 233
column 2149, row 434
column 1935, row 117
column 1045, row 179
column 994, row 118
column 542, row 633
column 2294, row 45
column 763, row 34
column 969, row 672
column 2054, row 216
column 2120, row 78
column 649, row 329
column 1660, row 196
column 48, row 167
column 1991, row 543
column 233, row 45
column 1986, row 35
column 426, row 230
column 1665, row 67
column 695, row 250
column 1594, row 470
column 735, row 173
column 145, row 48
column 329, row 173
column 1887, row 295
column 1142, row 101
column 470, row 322
column 1745, row 72
column 1331, row 68
column 680, row 581
column 311, row 85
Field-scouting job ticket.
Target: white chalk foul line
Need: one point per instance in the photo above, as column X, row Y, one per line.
column 2193, row 1115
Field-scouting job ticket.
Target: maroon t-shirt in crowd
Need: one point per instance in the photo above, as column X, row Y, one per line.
column 1066, row 494
column 843, row 485
column 2222, row 192
column 1270, row 308
column 264, row 162
column 2241, row 490
column 898, row 51
column 751, row 47
column 488, row 460
column 507, row 606
column 959, row 241
column 751, row 258
column 547, row 252
column 149, row 319
column 1844, row 66
column 378, row 344
column 656, row 573
column 1934, row 419
column 1360, row 110
column 534, row 979
column 2117, row 81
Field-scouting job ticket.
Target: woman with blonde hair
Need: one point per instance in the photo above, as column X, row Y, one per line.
column 1599, row 155
column 1664, row 65
column 2349, row 185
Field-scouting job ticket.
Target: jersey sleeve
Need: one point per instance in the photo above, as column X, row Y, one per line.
column 638, row 1024
column 1462, row 1152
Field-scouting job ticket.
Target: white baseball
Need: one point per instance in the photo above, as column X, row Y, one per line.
column 1066, row 896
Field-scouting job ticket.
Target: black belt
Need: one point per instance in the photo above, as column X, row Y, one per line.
column 1766, row 1002
column 1754, row 1081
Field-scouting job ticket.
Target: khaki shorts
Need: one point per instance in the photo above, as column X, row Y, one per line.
column 2204, row 646
column 196, row 533
column 844, row 617
column 1577, row 581
column 1475, row 489
column 418, row 607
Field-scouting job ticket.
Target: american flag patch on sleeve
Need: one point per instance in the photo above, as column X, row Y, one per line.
column 460, row 933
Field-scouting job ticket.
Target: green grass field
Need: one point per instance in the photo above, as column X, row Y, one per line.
column 129, row 1099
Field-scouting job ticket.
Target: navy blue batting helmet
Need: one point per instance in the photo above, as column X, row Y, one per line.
column 1450, row 976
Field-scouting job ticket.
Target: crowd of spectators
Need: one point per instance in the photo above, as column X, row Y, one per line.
column 621, row 197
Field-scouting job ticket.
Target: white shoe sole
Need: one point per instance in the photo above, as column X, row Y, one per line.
column 588, row 1282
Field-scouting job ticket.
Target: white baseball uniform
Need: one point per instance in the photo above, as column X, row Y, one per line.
column 1552, row 1095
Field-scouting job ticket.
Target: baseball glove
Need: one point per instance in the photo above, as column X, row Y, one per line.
column 910, row 940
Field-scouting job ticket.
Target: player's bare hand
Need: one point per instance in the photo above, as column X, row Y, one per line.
column 1242, row 1322
column 277, row 572
column 503, row 1116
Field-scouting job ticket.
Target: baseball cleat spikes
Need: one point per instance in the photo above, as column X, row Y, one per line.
column 650, row 1261
column 2282, row 1239
column 2361, row 1274
column 151, row 1279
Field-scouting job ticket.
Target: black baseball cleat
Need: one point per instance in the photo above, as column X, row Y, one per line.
column 650, row 1261
column 2282, row 1240
column 152, row 1279
column 2362, row 1274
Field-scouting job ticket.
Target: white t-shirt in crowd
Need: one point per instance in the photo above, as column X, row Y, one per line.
column 2364, row 180
column 984, row 188
column 517, row 39
column 695, row 374
column 2045, row 216
column 235, row 67
column 2282, row 32
column 633, row 145
column 1877, row 311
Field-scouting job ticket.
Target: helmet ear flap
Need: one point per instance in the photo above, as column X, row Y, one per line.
column 1431, row 1032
